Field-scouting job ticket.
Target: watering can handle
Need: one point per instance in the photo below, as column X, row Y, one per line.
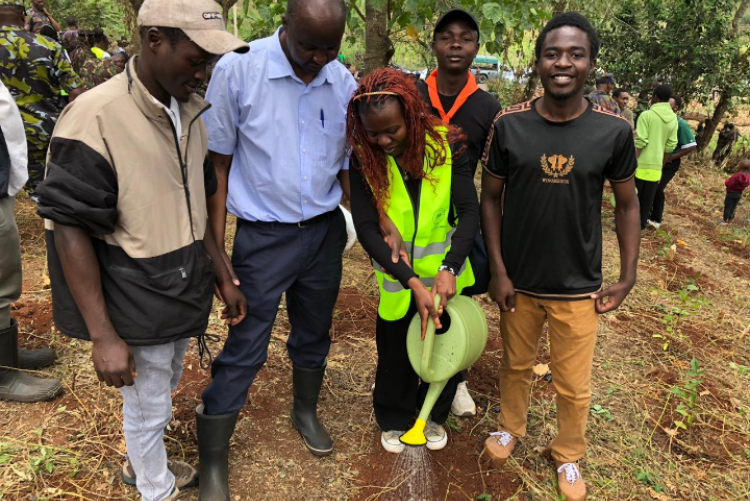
column 429, row 338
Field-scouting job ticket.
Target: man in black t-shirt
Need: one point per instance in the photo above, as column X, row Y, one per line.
column 453, row 95
column 456, row 97
column 552, row 156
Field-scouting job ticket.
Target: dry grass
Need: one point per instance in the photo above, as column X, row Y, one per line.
column 71, row 448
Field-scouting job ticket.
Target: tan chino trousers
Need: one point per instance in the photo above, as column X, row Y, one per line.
column 572, row 337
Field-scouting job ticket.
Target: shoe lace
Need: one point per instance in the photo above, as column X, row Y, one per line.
column 503, row 437
column 432, row 427
column 393, row 434
column 572, row 474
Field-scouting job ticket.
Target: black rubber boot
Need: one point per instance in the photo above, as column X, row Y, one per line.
column 18, row 386
column 307, row 383
column 36, row 359
column 214, row 433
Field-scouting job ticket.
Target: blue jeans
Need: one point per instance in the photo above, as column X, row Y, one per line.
column 270, row 259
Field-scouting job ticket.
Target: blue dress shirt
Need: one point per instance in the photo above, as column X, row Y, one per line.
column 288, row 139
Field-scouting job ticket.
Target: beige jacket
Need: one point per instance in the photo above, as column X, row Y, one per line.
column 116, row 168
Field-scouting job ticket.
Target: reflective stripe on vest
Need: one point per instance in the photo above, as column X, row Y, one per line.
column 391, row 286
column 427, row 240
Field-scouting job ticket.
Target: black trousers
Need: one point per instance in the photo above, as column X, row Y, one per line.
column 273, row 259
column 669, row 172
column 399, row 393
column 730, row 205
column 646, row 194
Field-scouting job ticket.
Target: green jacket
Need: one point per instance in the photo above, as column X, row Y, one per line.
column 656, row 135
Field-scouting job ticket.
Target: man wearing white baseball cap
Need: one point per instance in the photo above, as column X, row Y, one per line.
column 131, row 259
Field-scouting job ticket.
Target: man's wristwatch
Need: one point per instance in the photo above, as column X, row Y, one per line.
column 447, row 268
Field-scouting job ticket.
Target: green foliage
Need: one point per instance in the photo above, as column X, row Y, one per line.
column 742, row 369
column 107, row 14
column 600, row 412
column 506, row 91
column 412, row 21
column 689, row 302
column 646, row 477
column 688, row 43
column 688, row 395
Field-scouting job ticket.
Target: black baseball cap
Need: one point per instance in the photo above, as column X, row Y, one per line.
column 454, row 15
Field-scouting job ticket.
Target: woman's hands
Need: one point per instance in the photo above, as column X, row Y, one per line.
column 425, row 301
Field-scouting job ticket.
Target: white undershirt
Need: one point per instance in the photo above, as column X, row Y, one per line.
column 15, row 139
column 173, row 112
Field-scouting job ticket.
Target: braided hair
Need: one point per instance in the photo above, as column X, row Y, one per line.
column 375, row 91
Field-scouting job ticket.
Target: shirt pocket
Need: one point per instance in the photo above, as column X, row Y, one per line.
column 333, row 147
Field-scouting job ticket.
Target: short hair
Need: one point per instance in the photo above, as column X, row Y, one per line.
column 677, row 101
column 575, row 20
column 173, row 35
column 293, row 8
column 618, row 92
column 72, row 21
column 588, row 90
column 663, row 92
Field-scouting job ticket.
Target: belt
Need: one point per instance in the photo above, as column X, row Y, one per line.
column 302, row 224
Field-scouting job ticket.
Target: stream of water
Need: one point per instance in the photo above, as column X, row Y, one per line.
column 411, row 475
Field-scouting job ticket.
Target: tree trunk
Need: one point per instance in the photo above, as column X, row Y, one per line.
column 226, row 6
column 530, row 90
column 718, row 116
column 739, row 67
column 378, row 46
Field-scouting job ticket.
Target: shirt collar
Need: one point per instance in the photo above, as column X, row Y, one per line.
column 143, row 98
column 280, row 67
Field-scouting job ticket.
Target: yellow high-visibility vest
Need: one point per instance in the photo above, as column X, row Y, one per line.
column 427, row 234
column 99, row 53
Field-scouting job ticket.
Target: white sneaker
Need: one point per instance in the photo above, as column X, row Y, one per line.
column 390, row 440
column 463, row 405
column 654, row 224
column 436, row 436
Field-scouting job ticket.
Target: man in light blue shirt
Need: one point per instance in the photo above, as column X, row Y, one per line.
column 277, row 136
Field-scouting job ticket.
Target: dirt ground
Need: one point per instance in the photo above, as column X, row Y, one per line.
column 648, row 438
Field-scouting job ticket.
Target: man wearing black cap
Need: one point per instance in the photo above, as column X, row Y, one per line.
column 601, row 96
column 454, row 96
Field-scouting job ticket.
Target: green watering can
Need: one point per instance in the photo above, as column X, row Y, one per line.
column 441, row 356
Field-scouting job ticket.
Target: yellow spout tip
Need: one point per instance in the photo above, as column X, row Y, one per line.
column 415, row 437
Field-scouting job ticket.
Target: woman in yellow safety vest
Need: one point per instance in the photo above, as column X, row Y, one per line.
column 408, row 166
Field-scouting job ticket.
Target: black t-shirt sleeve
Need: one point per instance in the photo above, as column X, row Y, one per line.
column 464, row 197
column 624, row 161
column 367, row 224
column 495, row 157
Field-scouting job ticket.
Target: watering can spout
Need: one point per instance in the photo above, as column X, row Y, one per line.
column 436, row 359
column 415, row 437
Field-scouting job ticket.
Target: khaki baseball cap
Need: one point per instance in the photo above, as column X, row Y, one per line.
column 200, row 20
